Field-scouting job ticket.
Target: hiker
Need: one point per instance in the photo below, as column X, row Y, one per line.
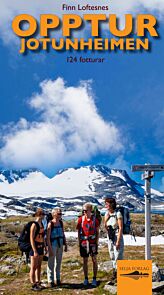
column 37, row 251
column 114, row 225
column 55, row 240
column 88, row 235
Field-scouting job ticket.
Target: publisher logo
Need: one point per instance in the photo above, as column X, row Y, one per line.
column 134, row 276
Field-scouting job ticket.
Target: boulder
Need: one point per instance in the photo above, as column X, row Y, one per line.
column 105, row 266
column 156, row 274
column 11, row 272
column 2, row 280
column 8, row 270
column 5, row 268
column 3, row 244
column 158, row 287
column 111, row 289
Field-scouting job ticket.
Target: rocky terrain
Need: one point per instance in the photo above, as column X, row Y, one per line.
column 14, row 278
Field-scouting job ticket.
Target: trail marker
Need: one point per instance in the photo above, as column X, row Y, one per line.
column 147, row 175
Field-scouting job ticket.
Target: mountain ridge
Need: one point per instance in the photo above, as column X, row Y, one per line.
column 70, row 188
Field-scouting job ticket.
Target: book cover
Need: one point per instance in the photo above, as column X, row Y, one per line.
column 81, row 97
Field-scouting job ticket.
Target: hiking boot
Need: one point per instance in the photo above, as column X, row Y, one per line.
column 35, row 287
column 94, row 283
column 113, row 279
column 40, row 286
column 86, row 283
column 111, row 283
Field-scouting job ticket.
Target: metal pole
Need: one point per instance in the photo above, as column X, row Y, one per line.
column 149, row 173
column 148, row 218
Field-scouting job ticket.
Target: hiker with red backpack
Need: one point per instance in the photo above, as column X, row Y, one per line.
column 114, row 225
column 88, row 235
column 55, row 240
column 37, row 250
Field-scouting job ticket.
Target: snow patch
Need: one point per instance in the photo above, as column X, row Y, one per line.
column 117, row 174
column 128, row 239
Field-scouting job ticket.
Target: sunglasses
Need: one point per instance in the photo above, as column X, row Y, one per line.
column 59, row 214
column 84, row 211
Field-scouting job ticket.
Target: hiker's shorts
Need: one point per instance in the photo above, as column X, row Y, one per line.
column 39, row 248
column 93, row 250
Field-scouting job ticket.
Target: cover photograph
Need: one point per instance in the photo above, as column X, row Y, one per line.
column 82, row 147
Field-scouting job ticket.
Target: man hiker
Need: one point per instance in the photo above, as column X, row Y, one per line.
column 114, row 225
column 88, row 235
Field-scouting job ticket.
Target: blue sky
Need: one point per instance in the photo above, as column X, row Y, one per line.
column 127, row 90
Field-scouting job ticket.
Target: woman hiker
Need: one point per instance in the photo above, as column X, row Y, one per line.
column 88, row 235
column 114, row 225
column 55, row 240
column 36, row 254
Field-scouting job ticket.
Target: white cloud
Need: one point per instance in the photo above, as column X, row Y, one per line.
column 68, row 130
column 9, row 9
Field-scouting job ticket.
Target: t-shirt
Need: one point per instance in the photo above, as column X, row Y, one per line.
column 87, row 226
column 113, row 220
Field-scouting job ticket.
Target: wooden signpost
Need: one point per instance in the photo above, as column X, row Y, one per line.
column 149, row 171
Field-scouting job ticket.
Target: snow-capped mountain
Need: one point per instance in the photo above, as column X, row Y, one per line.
column 23, row 190
column 10, row 176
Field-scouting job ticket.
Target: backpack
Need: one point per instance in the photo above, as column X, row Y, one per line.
column 49, row 217
column 126, row 219
column 24, row 239
column 98, row 215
